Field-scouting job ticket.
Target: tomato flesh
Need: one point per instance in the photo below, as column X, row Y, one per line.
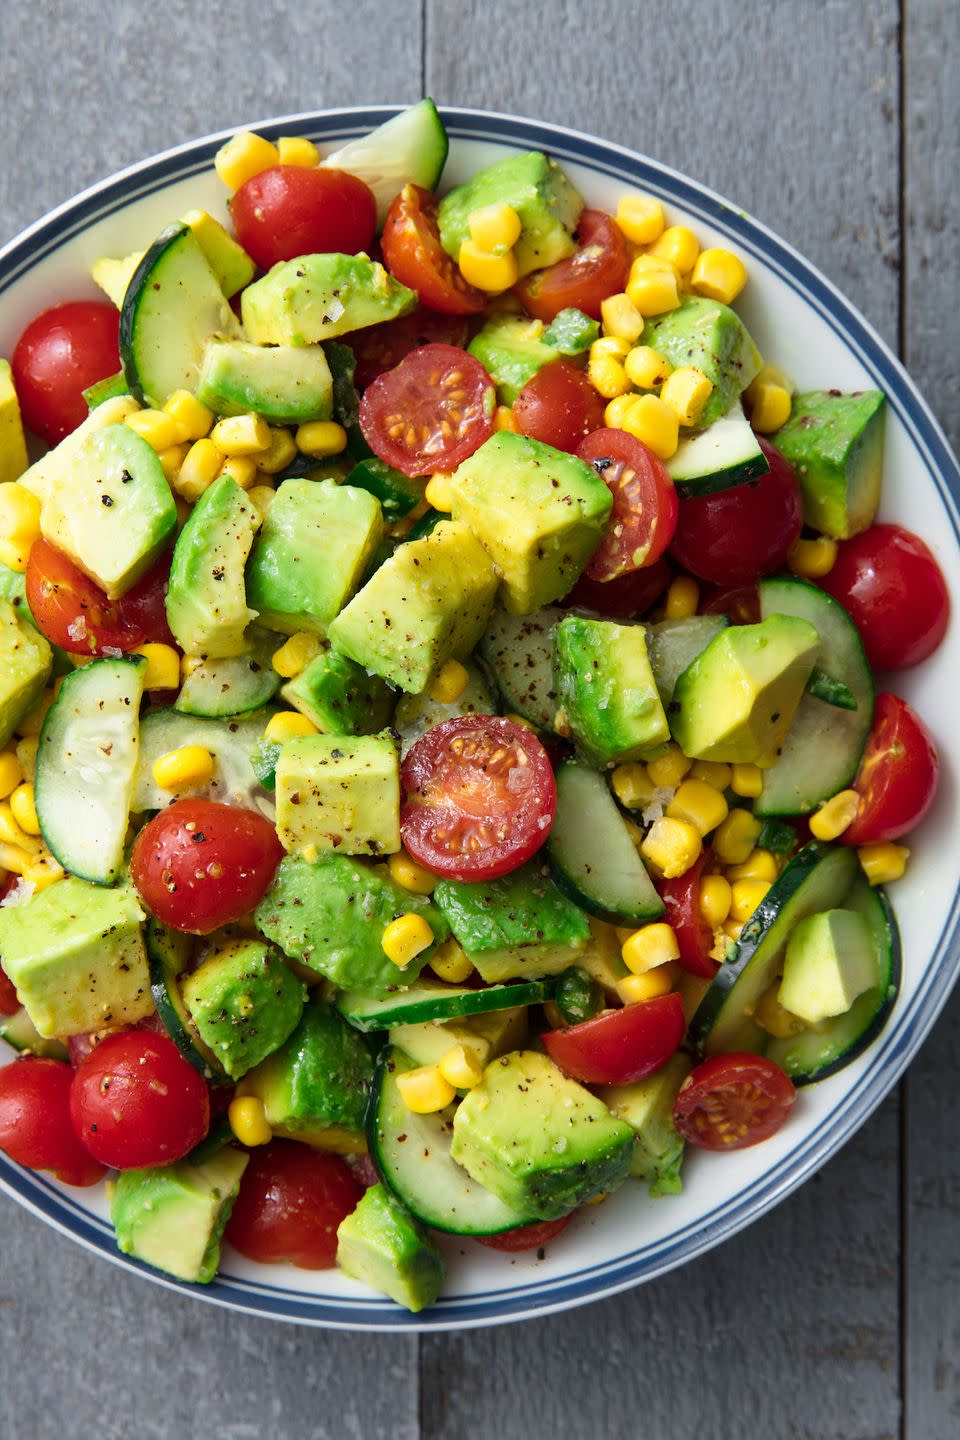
column 35, row 1126
column 645, row 505
column 894, row 591
column 627, row 597
column 9, row 1004
column 75, row 614
column 730, row 1102
column 292, row 1200
column 287, row 211
column 681, row 896
column 620, row 1046
column 598, row 268
column 898, row 775
column 558, row 406
column 526, row 1237
column 413, row 254
column 381, row 347
column 60, row 354
column 430, row 412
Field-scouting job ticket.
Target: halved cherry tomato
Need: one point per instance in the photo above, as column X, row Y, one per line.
column 286, row 211
column 898, row 775
column 61, row 353
column 894, row 591
column 645, row 504
column 381, row 347
column 35, row 1126
column 627, row 597
column 730, row 1102
column 741, row 605
column 80, row 1046
column 558, row 406
column 620, row 1046
column 199, row 864
column 413, row 254
column 526, row 1237
column 598, row 268
column 429, row 412
column 75, row 614
column 694, row 936
column 480, row 797
column 292, row 1200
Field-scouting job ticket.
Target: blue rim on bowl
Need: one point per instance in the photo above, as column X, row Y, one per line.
column 890, row 1054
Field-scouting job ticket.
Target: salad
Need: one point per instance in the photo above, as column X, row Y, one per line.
column 443, row 775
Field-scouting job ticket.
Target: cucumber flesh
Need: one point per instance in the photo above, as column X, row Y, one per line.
column 727, row 453
column 673, row 644
column 416, row 714
column 519, row 651
column 432, row 1000
column 20, row 1033
column 235, row 686
column 168, row 952
column 409, row 149
column 592, row 853
column 230, row 742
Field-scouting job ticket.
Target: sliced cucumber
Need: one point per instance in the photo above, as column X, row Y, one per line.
column 673, row 644
column 416, row 714
column 409, row 149
column 519, row 651
column 592, row 854
column 230, row 742
column 432, row 1000
column 86, row 763
column 824, row 744
column 727, row 453
column 236, row 686
column 103, row 390
column 20, row 1033
column 169, row 954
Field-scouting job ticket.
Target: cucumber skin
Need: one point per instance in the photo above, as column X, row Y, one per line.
column 160, row 978
column 452, row 1007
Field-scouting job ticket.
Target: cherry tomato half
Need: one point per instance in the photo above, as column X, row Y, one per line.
column 199, row 864
column 429, row 412
column 292, row 1200
column 75, row 614
column 413, row 254
column 645, row 505
column 894, row 591
column 730, row 1102
column 35, row 1126
column 627, row 597
column 598, row 268
column 558, row 406
column 620, row 1046
column 526, row 1237
column 381, row 347
column 286, row 211
column 57, row 357
column 898, row 775
column 694, row 936
column 480, row 797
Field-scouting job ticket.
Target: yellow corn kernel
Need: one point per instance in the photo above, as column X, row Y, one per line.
column 11, row 774
column 736, row 837
column 733, row 929
column 715, row 772
column 189, row 663
column 495, row 228
column 609, row 347
column 405, row 938
column 770, row 408
column 503, row 419
column 310, row 853
column 773, row 1017
column 19, row 524
column 248, row 1120
column 716, row 897
column 27, row 755
column 812, row 559
column 880, row 863
column 719, row 275
column 678, row 246
column 617, row 409
column 653, row 291
column 485, row 271
column 634, row 989
column 642, row 265
column 32, row 722
column 449, row 682
column 640, row 217
column 683, row 597
column 14, row 858
column 288, row 725
column 835, row 815
column 243, row 156
column 745, row 896
column 668, row 769
column 13, row 833
column 449, row 962
column 647, row 368
column 655, row 423
column 163, row 666
column 183, row 769
column 425, row 1090
column 297, row 150
column 608, row 377
column 42, row 871
column 192, row 419
column 242, row 435
column 620, row 318
column 261, row 497
column 632, row 785
column 405, row 872
column 759, row 865
column 700, row 804
column 439, row 492
column 278, row 454
column 520, row 720
column 321, row 438
column 199, row 469
column 650, row 946
column 295, row 654
column 242, row 469
column 747, row 780
column 171, row 460
column 14, row 556
column 156, row 427
column 672, row 846
column 687, row 391
column 461, row 1068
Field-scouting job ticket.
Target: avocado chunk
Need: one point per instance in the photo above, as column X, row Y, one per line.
column 283, row 383
column 25, row 663
column 339, row 792
column 541, row 1142
column 313, row 298
column 53, row 469
column 312, row 553
column 830, row 960
column 429, row 601
column 608, row 698
column 416, row 714
column 245, row 1003
column 511, row 349
column 227, row 259
column 331, row 915
column 736, row 700
column 518, row 927
column 13, row 444
column 835, row 444
column 76, row 955
column 538, row 512
column 712, row 337
column 547, row 203
column 173, row 1216
column 382, row 1245
column 339, row 696
column 318, row 1080
column 482, row 1036
column 206, row 601
column 647, row 1107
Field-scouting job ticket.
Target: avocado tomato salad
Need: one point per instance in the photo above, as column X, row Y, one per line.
column 443, row 773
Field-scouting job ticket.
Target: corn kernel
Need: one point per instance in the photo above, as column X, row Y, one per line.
column 882, row 863
column 687, row 391
column 42, row 871
column 653, row 422
column 747, row 780
column 261, row 497
column 163, row 666
column 608, row 377
column 650, row 946
column 503, row 419
column 14, row 556
column 700, row 804
column 243, row 156
column 714, row 772
column 495, row 228
column 640, row 217
column 668, row 769
column 635, row 989
column 487, row 272
column 773, row 1017
column 683, row 597
column 449, row 963
column 14, row 858
column 248, row 1120
column 321, row 438
column 242, row 470
column 654, row 292
column 672, row 846
column 439, row 492
column 405, row 938
column 770, row 375
column 835, row 815
column 679, row 246
column 736, row 837
column 770, row 408
column 13, row 833
column 242, row 435
column 449, row 683
column 812, row 559
column 617, row 409
column 297, row 150
column 620, row 318
column 199, row 469
column 288, row 725
column 745, row 897
column 27, row 755
column 461, row 1069
column 295, row 654
column 171, row 461
column 759, row 865
column 11, row 774
column 609, row 347
column 279, row 453
column 184, row 769
column 733, row 929
column 425, row 1090
column 716, row 897
column 156, row 427
column 19, row 524
column 520, row 720
column 647, row 368
column 405, row 872
column 192, row 419
column 632, row 785
column 719, row 275
column 643, row 264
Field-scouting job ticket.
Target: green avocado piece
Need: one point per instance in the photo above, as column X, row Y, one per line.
column 518, row 927
column 541, row 1142
column 316, row 297
column 206, row 600
column 245, row 1003
column 382, row 1245
column 647, row 1107
column 320, row 1077
column 736, row 700
column 538, row 512
column 570, row 332
column 712, row 337
column 173, row 1216
column 53, row 468
column 536, row 188
column 830, row 960
column 26, row 660
column 339, row 696
column 283, row 383
column 331, row 915
column 227, row 259
column 835, row 444
column 511, row 349
column 13, row 445
column 606, row 692
column 339, row 792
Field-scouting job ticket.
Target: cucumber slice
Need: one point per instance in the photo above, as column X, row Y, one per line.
column 230, row 742
column 169, row 954
column 824, row 744
column 20, row 1033
column 411, row 148
column 592, row 854
column 727, row 453
column 432, row 1000
column 673, row 644
column 519, row 652
column 412, row 1154
column 416, row 714
column 86, row 763
column 236, row 686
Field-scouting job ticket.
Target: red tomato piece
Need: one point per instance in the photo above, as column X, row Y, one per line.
column 413, row 254
column 737, row 535
column 480, row 797
column 429, row 412
column 9, row 1004
column 898, row 775
column 60, row 354
column 694, row 936
column 620, row 1046
column 199, row 864
column 741, row 605
column 143, row 609
column 35, row 1126
column 381, row 347
column 629, row 596
column 286, row 211
column 597, row 268
column 75, row 614
column 80, row 1046
column 894, row 591
column 558, row 406
column 526, row 1237
column 292, row 1200
column 645, row 504
column 730, row 1102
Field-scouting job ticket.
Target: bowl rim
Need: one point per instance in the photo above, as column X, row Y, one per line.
column 891, row 1052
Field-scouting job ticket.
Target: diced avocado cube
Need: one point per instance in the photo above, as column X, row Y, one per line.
column 603, row 957
column 830, row 960
column 382, row 1245
column 647, row 1107
column 835, row 444
column 482, row 1036
column 331, row 915
column 173, row 1217
column 245, row 1003
column 206, row 600
column 511, row 349
column 227, row 259
column 76, row 956
column 431, row 600
column 13, row 444
column 571, row 332
column 339, row 792
column 283, row 383
column 312, row 553
column 538, row 512
column 520, row 926
column 736, row 700
column 712, row 337
column 318, row 1080
column 339, row 696
column 536, row 188
column 606, row 693
column 53, row 469
column 316, row 297
column 542, row 1143
column 25, row 663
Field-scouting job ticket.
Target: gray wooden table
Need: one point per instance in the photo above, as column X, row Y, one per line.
column 838, row 1315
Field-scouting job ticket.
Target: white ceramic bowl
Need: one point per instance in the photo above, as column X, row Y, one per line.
column 799, row 321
